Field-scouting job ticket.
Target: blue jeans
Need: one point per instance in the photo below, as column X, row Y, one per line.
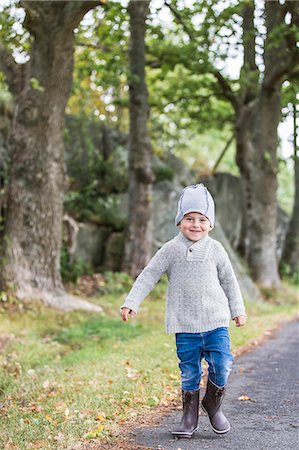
column 212, row 345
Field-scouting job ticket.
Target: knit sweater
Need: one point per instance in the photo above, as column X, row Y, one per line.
column 203, row 292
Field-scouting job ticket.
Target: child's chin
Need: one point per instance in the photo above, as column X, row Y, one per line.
column 195, row 236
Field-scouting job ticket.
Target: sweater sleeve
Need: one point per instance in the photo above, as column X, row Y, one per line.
column 230, row 285
column 147, row 279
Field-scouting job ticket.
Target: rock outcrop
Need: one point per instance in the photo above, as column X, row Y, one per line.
column 103, row 250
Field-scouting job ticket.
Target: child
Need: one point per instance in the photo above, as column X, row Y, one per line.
column 203, row 294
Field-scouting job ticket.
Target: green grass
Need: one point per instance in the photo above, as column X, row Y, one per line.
column 76, row 376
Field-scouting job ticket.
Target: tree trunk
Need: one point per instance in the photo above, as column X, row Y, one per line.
column 291, row 247
column 257, row 118
column 138, row 243
column 36, row 182
column 259, row 173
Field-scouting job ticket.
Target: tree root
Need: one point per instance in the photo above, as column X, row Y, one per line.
column 58, row 299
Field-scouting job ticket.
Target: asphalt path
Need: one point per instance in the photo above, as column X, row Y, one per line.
column 269, row 419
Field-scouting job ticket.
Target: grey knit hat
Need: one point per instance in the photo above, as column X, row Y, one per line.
column 196, row 198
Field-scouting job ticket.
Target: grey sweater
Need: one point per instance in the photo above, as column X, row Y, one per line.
column 203, row 292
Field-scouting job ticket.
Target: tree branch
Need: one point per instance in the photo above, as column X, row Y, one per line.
column 293, row 74
column 226, row 147
column 249, row 70
column 95, row 46
column 12, row 71
column 226, row 88
column 287, row 54
column 70, row 12
column 223, row 82
column 78, row 9
column 203, row 98
column 249, row 36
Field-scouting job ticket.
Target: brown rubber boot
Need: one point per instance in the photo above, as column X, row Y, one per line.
column 188, row 424
column 211, row 404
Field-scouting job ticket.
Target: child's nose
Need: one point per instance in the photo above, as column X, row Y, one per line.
column 197, row 223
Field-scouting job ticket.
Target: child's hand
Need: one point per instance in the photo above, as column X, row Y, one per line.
column 240, row 321
column 125, row 313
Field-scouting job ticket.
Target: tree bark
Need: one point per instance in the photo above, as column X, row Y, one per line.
column 33, row 226
column 291, row 247
column 257, row 119
column 138, row 242
column 261, row 187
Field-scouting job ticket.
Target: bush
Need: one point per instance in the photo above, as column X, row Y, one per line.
column 72, row 269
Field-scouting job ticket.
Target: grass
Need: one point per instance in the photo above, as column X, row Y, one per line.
column 68, row 378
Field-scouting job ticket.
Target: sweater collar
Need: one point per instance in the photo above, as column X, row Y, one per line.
column 189, row 243
column 195, row 251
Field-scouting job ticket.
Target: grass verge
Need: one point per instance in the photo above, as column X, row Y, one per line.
column 69, row 378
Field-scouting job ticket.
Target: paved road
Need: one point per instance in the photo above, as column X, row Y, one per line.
column 269, row 375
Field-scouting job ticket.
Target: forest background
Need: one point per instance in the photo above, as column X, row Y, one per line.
column 102, row 98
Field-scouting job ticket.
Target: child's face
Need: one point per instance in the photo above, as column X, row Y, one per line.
column 195, row 226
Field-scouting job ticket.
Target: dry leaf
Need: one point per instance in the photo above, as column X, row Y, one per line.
column 173, row 376
column 37, row 444
column 86, row 412
column 36, row 408
column 245, row 398
column 46, row 384
column 95, row 433
column 60, row 407
column 100, row 418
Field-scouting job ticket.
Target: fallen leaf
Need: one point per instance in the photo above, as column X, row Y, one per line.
column 86, row 412
column 37, row 444
column 95, row 433
column 36, row 408
column 245, row 398
column 100, row 418
column 173, row 376
column 46, row 384
column 60, row 407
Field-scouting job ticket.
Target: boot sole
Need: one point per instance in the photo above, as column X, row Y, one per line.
column 183, row 435
column 214, row 429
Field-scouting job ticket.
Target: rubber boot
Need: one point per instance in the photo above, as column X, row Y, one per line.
column 189, row 421
column 211, row 404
